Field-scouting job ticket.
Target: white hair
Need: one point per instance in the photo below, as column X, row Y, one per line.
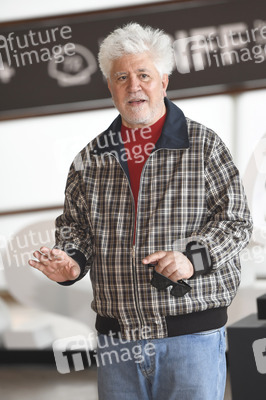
column 134, row 39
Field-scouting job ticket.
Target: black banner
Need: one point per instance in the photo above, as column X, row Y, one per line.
column 49, row 65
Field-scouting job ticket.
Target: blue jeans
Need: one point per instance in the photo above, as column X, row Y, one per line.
column 188, row 367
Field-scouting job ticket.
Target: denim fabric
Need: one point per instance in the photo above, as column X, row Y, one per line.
column 187, row 367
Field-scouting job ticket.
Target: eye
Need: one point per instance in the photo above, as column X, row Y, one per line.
column 144, row 76
column 122, row 78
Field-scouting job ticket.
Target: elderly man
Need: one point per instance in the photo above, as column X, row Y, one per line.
column 155, row 209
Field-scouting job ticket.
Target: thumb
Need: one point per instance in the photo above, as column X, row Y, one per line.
column 74, row 272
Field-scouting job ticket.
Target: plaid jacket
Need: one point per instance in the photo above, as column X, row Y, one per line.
column 189, row 188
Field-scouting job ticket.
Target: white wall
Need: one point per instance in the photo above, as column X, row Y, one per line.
column 251, row 124
column 17, row 9
column 35, row 155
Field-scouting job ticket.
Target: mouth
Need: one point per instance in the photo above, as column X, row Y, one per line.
column 136, row 102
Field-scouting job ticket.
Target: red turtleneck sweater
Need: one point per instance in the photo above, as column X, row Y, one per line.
column 138, row 146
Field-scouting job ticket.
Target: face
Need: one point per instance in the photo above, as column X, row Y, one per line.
column 137, row 90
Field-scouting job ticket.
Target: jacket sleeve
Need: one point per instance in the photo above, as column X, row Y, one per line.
column 73, row 233
column 229, row 223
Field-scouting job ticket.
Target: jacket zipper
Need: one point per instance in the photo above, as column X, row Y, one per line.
column 135, row 286
column 133, row 249
column 133, row 252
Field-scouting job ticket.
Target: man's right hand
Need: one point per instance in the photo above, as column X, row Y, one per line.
column 55, row 264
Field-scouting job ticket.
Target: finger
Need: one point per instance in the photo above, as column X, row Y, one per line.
column 32, row 263
column 57, row 254
column 184, row 271
column 36, row 265
column 167, row 260
column 175, row 276
column 45, row 250
column 52, row 255
column 154, row 257
column 41, row 257
column 166, row 269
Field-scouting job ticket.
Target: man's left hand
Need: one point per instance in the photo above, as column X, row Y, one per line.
column 172, row 264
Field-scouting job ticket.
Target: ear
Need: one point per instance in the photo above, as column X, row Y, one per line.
column 165, row 81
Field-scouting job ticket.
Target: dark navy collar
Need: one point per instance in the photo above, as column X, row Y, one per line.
column 174, row 133
column 174, row 136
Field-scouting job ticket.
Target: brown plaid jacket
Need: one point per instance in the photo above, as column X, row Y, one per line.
column 190, row 188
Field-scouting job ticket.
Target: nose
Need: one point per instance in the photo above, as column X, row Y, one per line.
column 133, row 84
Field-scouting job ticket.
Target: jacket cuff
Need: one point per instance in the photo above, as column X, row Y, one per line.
column 79, row 257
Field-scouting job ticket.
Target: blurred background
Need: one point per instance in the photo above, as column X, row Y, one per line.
column 48, row 112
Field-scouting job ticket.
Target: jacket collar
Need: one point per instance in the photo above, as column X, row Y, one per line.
column 174, row 133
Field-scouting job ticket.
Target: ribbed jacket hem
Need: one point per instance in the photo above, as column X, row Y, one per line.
column 176, row 325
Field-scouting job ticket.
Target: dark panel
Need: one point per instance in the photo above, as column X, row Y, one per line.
column 231, row 54
column 247, row 358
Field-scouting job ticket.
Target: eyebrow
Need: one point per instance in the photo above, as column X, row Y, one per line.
column 125, row 73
